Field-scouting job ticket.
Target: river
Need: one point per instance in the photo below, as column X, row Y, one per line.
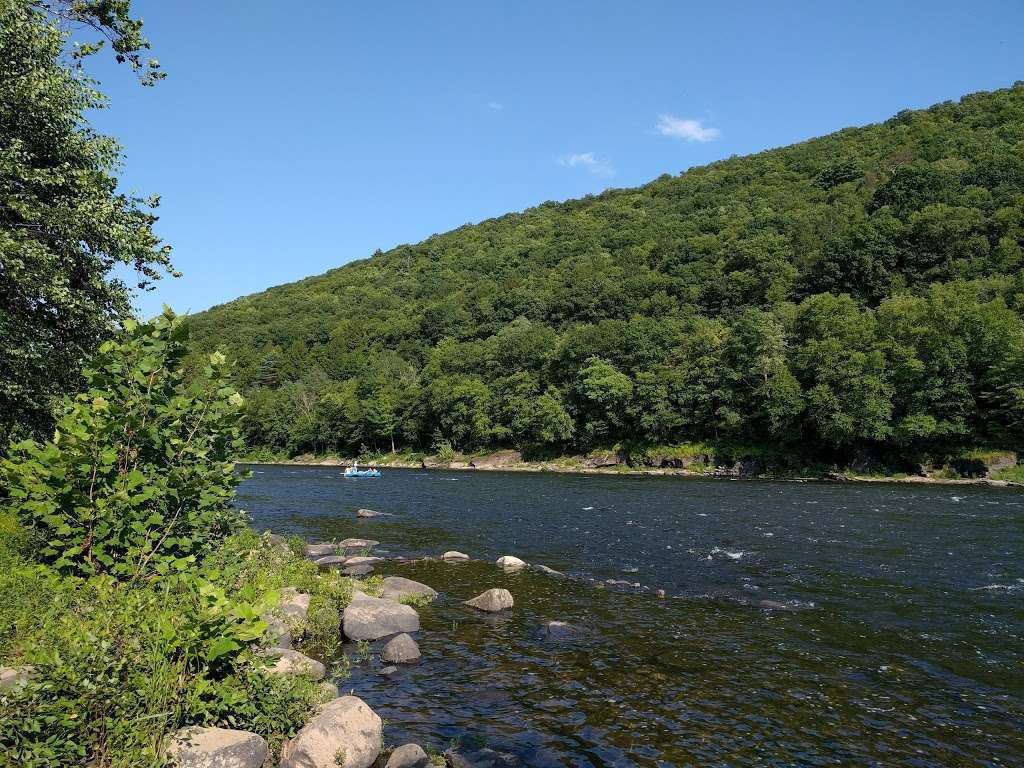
column 804, row 623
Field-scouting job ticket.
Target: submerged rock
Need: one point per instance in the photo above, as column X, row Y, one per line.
column 408, row 756
column 396, row 588
column 483, row 758
column 371, row 618
column 388, row 671
column 291, row 662
column 560, row 631
column 345, row 733
column 198, row 747
column 401, row 649
column 452, row 556
column 492, row 601
column 367, row 513
column 510, row 563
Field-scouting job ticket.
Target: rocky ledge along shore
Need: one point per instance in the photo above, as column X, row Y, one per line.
column 344, row 732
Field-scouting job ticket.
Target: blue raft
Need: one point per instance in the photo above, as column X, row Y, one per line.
column 362, row 473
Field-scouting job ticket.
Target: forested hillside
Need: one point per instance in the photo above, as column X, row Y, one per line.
column 857, row 295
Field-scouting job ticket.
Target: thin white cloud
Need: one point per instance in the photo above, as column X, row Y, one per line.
column 496, row 105
column 685, row 128
column 596, row 166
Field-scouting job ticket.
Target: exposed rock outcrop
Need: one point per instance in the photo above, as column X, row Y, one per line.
column 452, row 556
column 492, row 601
column 371, row 618
column 345, row 733
column 401, row 649
column 293, row 604
column 510, row 563
column 408, row 756
column 198, row 747
column 497, row 459
column 290, row 662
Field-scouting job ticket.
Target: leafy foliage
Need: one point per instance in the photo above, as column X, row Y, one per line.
column 855, row 295
column 63, row 224
column 137, row 479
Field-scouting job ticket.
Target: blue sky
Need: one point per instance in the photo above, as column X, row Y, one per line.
column 289, row 138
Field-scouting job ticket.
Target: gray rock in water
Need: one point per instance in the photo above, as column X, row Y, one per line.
column 396, row 588
column 197, row 747
column 510, row 563
column 492, row 601
column 408, row 756
column 361, row 560
column 291, row 662
column 545, row 569
column 560, row 631
column 345, row 733
column 319, row 550
column 451, row 556
column 401, row 649
column 329, row 560
column 483, row 758
column 357, row 570
column 371, row 618
column 388, row 671
column 367, row 513
column 358, row 543
column 15, row 677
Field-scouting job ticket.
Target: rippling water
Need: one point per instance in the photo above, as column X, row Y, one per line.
column 806, row 623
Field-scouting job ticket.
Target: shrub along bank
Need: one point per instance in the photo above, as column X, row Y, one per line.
column 132, row 591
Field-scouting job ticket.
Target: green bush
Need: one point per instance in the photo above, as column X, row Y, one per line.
column 137, row 479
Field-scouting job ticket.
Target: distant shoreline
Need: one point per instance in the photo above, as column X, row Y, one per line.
column 618, row 470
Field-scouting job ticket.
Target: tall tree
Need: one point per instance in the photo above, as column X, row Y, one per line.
column 63, row 224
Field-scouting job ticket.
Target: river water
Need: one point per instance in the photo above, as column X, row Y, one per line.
column 804, row 624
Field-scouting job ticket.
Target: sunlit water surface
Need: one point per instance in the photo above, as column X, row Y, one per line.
column 805, row 623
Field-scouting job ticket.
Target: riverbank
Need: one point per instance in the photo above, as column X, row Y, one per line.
column 1002, row 474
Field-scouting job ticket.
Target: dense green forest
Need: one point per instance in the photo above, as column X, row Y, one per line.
column 857, row 297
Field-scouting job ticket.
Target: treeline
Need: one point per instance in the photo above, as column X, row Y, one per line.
column 860, row 295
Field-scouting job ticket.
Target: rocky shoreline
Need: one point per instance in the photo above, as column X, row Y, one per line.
column 608, row 463
column 345, row 732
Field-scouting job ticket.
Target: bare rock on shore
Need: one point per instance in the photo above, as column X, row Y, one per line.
column 363, row 560
column 293, row 604
column 497, row 459
column 331, row 560
column 544, row 569
column 492, row 601
column 371, row 618
column 291, row 662
column 510, row 563
column 408, row 756
column 357, row 570
column 320, row 550
column 401, row 649
column 345, row 733
column 277, row 634
column 396, row 588
column 198, row 747
column 451, row 556
column 15, row 677
column 599, row 459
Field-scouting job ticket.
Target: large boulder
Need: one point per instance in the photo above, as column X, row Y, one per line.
column 293, row 603
column 408, row 756
column 14, row 677
column 401, row 649
column 397, row 588
column 497, row 459
column 363, row 560
column 451, row 556
column 345, row 733
column 371, row 618
column 510, row 563
column 357, row 570
column 290, row 662
column 198, row 747
column 331, row 560
column 492, row 601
